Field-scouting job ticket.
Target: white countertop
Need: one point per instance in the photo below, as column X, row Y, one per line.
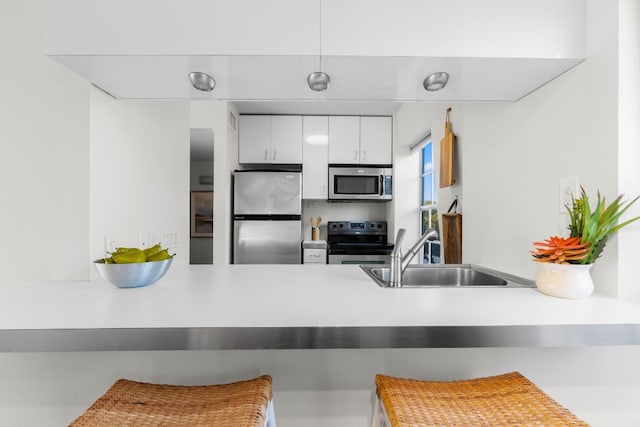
column 294, row 296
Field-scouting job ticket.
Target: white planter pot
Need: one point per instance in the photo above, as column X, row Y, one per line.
column 565, row 280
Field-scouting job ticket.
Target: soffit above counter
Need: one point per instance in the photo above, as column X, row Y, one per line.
column 373, row 51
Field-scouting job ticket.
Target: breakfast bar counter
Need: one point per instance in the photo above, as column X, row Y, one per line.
column 299, row 307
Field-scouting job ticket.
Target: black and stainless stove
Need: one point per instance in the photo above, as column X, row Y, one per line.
column 358, row 242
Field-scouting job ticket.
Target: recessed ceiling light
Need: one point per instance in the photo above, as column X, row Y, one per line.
column 202, row 81
column 318, row 81
column 436, row 81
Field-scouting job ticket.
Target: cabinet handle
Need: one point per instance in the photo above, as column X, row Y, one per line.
column 266, row 154
column 364, row 155
column 275, row 152
column 355, row 155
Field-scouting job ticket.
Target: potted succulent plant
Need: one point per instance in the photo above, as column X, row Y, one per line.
column 565, row 262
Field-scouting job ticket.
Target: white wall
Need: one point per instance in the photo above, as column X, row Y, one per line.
column 215, row 115
column 139, row 172
column 512, row 157
column 629, row 147
column 44, row 152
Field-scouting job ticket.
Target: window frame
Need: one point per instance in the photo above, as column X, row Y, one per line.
column 429, row 208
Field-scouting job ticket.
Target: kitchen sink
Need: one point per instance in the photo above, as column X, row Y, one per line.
column 448, row 275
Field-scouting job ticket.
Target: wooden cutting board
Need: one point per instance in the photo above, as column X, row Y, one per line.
column 452, row 238
column 447, row 154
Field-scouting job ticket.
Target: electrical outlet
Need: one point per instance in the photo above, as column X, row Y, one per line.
column 568, row 190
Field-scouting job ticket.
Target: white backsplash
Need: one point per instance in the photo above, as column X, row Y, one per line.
column 347, row 211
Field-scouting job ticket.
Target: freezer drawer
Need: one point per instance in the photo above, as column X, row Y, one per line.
column 267, row 242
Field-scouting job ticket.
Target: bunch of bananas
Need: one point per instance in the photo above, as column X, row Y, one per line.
column 135, row 255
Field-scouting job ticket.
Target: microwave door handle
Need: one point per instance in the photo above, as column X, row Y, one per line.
column 381, row 185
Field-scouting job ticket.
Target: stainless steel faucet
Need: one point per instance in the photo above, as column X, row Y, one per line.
column 398, row 263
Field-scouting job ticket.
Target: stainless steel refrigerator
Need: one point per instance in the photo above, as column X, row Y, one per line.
column 267, row 225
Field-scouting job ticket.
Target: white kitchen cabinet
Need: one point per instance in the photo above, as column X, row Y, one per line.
column 360, row 140
column 286, row 139
column 315, row 157
column 375, row 140
column 254, row 140
column 270, row 139
column 344, row 139
column 314, row 256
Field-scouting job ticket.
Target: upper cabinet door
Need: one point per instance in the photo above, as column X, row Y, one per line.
column 375, row 140
column 286, row 139
column 254, row 144
column 315, row 157
column 270, row 139
column 279, row 140
column 344, row 139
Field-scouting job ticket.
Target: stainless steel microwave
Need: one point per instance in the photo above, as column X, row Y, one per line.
column 360, row 183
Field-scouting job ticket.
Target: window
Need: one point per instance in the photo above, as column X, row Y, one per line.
column 429, row 206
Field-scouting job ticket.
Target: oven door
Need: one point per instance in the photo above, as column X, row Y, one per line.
column 358, row 259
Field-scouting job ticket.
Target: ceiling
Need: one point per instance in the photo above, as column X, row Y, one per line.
column 380, row 80
column 376, row 56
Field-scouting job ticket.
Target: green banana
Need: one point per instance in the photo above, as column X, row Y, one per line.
column 160, row 256
column 129, row 257
column 124, row 255
column 152, row 250
column 124, row 250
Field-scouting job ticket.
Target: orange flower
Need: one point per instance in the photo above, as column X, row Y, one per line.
column 560, row 250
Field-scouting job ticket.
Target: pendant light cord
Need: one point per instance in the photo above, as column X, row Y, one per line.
column 320, row 32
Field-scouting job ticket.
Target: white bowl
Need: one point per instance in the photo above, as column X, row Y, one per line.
column 133, row 275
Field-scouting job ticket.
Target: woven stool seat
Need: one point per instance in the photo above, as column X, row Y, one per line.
column 501, row 400
column 131, row 403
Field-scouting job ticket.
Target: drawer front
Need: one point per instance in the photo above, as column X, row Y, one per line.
column 314, row 256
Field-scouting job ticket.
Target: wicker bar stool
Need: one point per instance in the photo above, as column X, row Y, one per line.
column 131, row 403
column 501, row 400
